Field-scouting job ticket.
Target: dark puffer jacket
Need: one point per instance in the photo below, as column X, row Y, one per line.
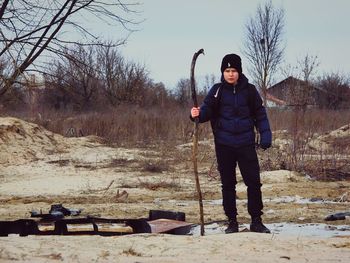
column 229, row 111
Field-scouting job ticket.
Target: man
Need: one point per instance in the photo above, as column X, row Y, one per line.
column 234, row 108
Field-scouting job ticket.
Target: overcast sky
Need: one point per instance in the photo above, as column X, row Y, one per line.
column 174, row 30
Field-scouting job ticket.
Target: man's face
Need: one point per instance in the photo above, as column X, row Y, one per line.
column 231, row 75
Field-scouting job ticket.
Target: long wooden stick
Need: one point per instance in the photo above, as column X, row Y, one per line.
column 195, row 140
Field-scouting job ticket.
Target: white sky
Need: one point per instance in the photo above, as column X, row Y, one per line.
column 174, row 30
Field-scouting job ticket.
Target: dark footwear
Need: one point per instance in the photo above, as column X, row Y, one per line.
column 232, row 227
column 258, row 226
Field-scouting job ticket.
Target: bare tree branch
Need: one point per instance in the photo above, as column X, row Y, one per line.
column 3, row 7
column 29, row 29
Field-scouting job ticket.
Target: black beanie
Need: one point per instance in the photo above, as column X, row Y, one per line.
column 231, row 61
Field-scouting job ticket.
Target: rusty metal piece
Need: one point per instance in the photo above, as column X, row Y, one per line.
column 169, row 226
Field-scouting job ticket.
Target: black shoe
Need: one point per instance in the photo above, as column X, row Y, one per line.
column 232, row 227
column 258, row 226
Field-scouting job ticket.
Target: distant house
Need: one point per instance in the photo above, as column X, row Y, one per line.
column 294, row 92
column 273, row 101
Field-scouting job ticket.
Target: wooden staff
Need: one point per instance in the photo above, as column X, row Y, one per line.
column 195, row 139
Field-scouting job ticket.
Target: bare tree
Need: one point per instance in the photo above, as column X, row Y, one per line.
column 55, row 94
column 263, row 44
column 308, row 65
column 330, row 91
column 29, row 29
column 75, row 76
column 89, row 76
column 158, row 95
column 182, row 91
column 334, row 92
column 301, row 93
column 122, row 81
column 111, row 71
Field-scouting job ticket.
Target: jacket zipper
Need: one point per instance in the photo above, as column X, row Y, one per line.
column 235, row 99
column 235, row 96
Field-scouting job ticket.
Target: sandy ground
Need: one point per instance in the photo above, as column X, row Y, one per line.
column 39, row 168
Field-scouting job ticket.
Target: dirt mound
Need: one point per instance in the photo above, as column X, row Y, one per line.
column 337, row 139
column 282, row 176
column 23, row 142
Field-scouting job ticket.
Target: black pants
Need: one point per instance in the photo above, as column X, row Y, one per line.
column 246, row 157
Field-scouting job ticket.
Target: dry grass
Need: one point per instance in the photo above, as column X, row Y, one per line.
column 128, row 126
column 156, row 184
column 313, row 121
column 124, row 126
column 157, row 166
column 131, row 252
column 163, row 128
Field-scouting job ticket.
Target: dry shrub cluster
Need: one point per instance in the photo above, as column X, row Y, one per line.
column 299, row 129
